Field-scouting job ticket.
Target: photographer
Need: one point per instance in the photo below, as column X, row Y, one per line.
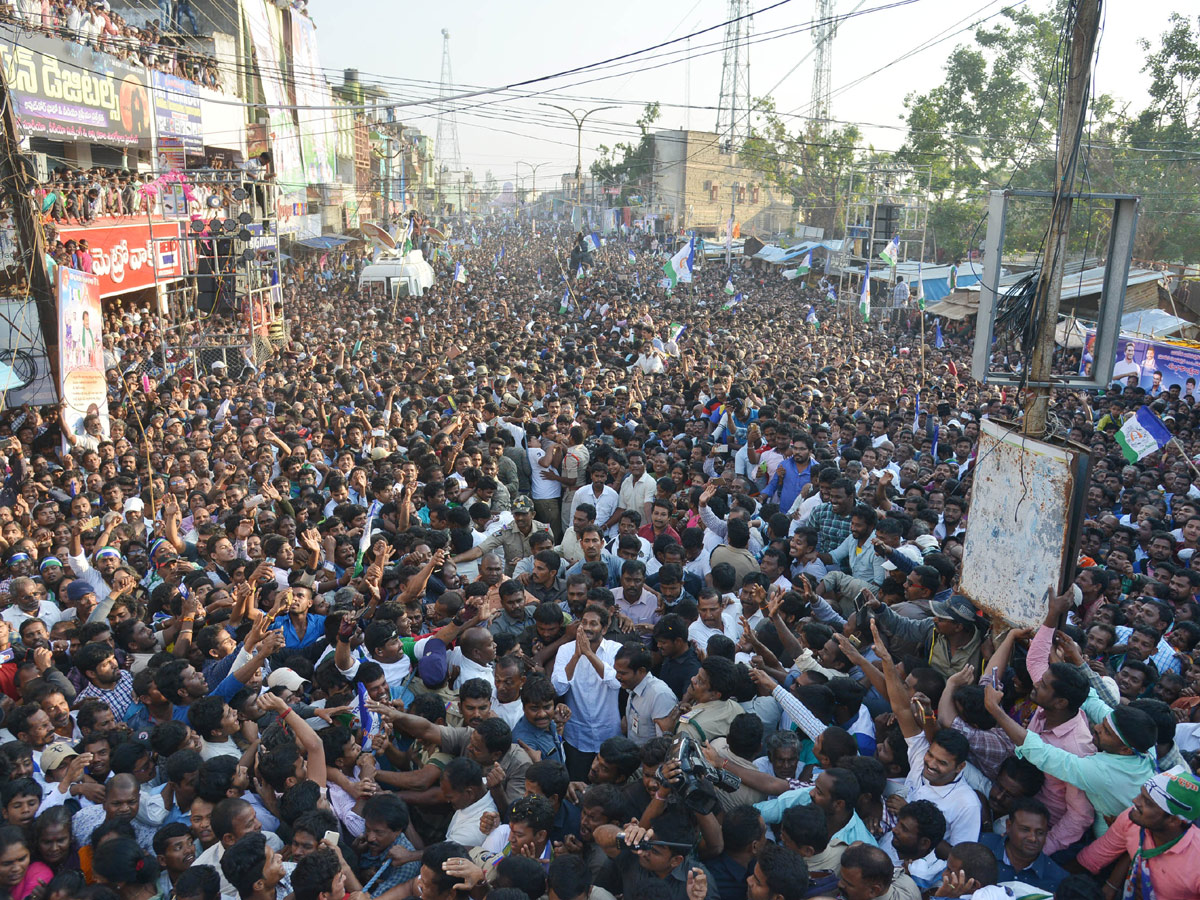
column 663, row 854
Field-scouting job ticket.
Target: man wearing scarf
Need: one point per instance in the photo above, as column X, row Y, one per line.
column 1111, row 777
column 1158, row 833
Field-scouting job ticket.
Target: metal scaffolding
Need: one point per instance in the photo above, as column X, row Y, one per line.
column 883, row 200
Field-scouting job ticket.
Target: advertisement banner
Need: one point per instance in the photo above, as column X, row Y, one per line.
column 122, row 255
column 70, row 92
column 264, row 23
column 82, row 357
column 177, row 112
column 1157, row 365
column 312, row 93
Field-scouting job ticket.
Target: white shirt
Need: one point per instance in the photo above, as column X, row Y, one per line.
column 606, row 504
column 468, row 669
column 511, row 713
column 958, row 803
column 47, row 612
column 464, row 824
column 591, row 697
column 541, row 487
column 212, row 749
column 633, row 494
column 699, row 634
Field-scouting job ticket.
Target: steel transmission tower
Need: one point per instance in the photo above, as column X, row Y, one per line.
column 733, row 109
column 824, row 29
column 449, row 167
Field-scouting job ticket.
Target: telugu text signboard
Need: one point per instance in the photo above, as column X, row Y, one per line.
column 70, row 92
column 122, row 255
column 177, row 112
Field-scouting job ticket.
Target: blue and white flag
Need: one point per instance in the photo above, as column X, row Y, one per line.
column 811, row 318
column 831, row 294
column 539, row 274
column 501, row 251
column 891, row 253
column 917, row 413
column 729, row 289
column 1142, row 434
column 460, row 273
column 364, row 716
column 564, row 305
column 676, row 329
column 632, row 257
column 679, row 267
column 864, row 299
column 579, row 273
column 937, row 340
column 594, row 240
column 731, row 304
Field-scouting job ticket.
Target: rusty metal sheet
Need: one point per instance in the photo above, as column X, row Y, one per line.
column 1019, row 525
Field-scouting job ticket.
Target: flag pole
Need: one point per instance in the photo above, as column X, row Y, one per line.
column 1174, row 440
column 566, row 278
column 921, row 316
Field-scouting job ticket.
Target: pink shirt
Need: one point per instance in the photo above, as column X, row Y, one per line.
column 1070, row 812
column 1174, row 873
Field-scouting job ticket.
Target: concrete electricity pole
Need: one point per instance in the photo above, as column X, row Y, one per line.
column 1079, row 75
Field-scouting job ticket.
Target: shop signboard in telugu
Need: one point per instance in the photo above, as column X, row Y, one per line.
column 1158, row 365
column 177, row 112
column 70, row 92
column 81, row 366
column 122, row 255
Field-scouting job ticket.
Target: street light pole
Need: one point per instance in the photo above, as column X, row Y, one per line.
column 579, row 120
column 533, row 192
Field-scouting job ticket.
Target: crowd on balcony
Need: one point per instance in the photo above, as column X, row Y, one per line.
column 156, row 45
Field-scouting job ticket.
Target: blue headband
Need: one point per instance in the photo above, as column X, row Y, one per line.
column 18, row 558
column 108, row 551
column 50, row 561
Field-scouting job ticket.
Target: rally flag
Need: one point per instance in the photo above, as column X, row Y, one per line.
column 811, row 318
column 891, row 252
column 792, row 274
column 937, row 340
column 864, row 300
column 406, row 241
column 920, row 290
column 579, row 273
column 495, row 260
column 729, row 233
column 805, row 266
column 1142, row 434
column 675, row 330
column 364, row 716
column 937, row 430
column 632, row 257
column 679, row 267
column 917, row 413
column 564, row 305
column 729, row 289
column 665, row 284
column 539, row 274
column 501, row 251
column 730, row 304
column 831, row 294
column 594, row 240
column 460, row 273
column 637, row 280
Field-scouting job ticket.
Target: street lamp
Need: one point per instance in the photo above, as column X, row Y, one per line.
column 579, row 120
column 521, row 162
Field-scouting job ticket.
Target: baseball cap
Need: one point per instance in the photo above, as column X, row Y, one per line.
column 957, row 609
column 912, row 554
column 522, row 505
column 289, row 678
column 927, row 542
column 78, row 589
column 55, row 755
column 134, row 504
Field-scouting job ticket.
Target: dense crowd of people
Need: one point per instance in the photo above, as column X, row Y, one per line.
column 535, row 587
column 155, row 45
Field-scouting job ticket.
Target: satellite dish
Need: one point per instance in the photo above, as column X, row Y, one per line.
column 377, row 236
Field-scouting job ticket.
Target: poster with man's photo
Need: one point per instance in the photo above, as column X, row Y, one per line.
column 1156, row 365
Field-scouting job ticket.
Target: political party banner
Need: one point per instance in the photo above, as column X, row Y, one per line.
column 70, row 92
column 177, row 112
column 81, row 368
column 265, row 28
column 312, row 93
column 124, row 258
column 1157, row 365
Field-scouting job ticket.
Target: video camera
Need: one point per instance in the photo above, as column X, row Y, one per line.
column 694, row 785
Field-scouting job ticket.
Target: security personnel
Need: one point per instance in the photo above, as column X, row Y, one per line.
column 513, row 538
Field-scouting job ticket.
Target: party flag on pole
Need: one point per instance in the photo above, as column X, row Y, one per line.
column 864, row 300
column 564, row 305
column 806, row 266
column 730, row 304
column 460, row 273
column 729, row 289
column 1142, row 434
column 938, row 341
column 891, row 253
column 632, row 257
column 920, row 290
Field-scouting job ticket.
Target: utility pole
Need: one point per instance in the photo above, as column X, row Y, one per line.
column 729, row 225
column 1079, row 75
column 579, row 120
column 31, row 254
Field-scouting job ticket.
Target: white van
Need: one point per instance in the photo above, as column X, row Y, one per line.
column 407, row 276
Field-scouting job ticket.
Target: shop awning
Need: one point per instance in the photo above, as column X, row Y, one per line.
column 324, row 241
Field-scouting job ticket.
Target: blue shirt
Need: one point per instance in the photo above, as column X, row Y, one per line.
column 547, row 742
column 313, row 633
column 788, row 481
column 1044, row 873
column 773, row 810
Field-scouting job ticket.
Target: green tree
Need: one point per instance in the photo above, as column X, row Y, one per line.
column 629, row 165
column 809, row 166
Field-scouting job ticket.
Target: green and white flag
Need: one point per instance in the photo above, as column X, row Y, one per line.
column 920, row 290
column 679, row 267
column 1142, row 434
column 891, row 253
column 805, row 267
column 729, row 289
column 864, row 301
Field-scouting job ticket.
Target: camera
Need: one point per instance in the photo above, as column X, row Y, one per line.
column 694, row 786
